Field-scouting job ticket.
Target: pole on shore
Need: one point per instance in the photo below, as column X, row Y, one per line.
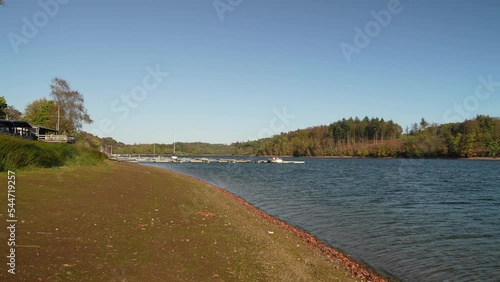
column 58, row 117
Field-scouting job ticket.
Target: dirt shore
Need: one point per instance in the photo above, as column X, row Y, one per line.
column 126, row 222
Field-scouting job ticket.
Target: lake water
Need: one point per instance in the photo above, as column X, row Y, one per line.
column 414, row 220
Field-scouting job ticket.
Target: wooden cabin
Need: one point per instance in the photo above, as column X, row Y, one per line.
column 17, row 128
column 34, row 132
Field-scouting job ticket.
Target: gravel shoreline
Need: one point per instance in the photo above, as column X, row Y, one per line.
column 356, row 269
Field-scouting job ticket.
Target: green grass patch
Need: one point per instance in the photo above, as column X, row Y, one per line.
column 16, row 153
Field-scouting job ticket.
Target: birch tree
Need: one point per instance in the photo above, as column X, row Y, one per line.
column 71, row 106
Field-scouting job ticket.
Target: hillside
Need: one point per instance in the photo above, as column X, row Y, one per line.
column 367, row 137
column 377, row 138
column 347, row 137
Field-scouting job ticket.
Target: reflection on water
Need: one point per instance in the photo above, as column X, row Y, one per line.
column 417, row 220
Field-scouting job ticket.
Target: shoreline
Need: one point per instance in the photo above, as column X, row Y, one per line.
column 335, row 157
column 357, row 269
column 142, row 223
column 396, row 158
column 401, row 158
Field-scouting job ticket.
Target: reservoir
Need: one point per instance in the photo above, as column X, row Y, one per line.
column 413, row 220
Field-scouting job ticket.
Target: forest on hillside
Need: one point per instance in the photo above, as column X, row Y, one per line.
column 355, row 137
column 375, row 137
column 337, row 139
column 367, row 137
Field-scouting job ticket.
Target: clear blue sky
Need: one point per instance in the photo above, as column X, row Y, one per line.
column 228, row 77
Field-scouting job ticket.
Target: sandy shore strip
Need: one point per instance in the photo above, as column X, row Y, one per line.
column 128, row 222
column 356, row 269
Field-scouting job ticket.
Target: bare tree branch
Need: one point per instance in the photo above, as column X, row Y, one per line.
column 71, row 103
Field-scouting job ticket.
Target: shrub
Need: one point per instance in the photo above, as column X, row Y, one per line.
column 17, row 153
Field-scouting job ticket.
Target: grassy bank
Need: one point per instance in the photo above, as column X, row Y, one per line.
column 16, row 153
column 126, row 222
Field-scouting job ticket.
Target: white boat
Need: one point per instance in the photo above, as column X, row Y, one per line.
column 174, row 157
column 162, row 160
column 275, row 160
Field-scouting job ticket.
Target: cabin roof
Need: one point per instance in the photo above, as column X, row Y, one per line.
column 44, row 128
column 16, row 123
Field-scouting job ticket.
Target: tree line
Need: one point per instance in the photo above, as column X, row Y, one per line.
column 353, row 137
column 181, row 148
column 337, row 139
column 367, row 137
column 479, row 137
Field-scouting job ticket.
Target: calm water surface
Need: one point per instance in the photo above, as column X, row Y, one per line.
column 414, row 220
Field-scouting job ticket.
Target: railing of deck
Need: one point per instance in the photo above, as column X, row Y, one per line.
column 53, row 138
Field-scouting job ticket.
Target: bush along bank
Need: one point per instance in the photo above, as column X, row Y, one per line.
column 16, row 153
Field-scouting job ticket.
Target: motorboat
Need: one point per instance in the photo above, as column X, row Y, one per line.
column 275, row 160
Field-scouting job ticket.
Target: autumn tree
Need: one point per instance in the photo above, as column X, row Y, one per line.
column 41, row 112
column 3, row 106
column 70, row 104
column 12, row 113
column 8, row 112
column 423, row 124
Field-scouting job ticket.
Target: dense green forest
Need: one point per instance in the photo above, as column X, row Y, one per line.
column 472, row 138
column 378, row 138
column 341, row 138
column 367, row 137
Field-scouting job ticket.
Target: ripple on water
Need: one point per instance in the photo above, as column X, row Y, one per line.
column 419, row 220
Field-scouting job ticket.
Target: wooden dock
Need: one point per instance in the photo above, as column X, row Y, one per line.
column 204, row 160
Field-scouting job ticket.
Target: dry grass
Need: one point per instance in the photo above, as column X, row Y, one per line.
column 125, row 222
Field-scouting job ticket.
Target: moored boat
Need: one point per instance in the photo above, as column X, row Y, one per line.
column 275, row 160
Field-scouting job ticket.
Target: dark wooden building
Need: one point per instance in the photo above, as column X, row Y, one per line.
column 17, row 128
column 25, row 130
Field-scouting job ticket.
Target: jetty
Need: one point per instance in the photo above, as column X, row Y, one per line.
column 196, row 160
